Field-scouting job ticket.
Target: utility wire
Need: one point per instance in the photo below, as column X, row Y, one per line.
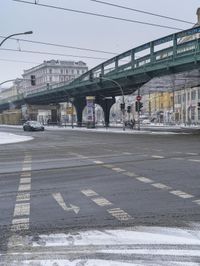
column 99, row 15
column 47, row 53
column 60, row 45
column 18, row 61
column 142, row 11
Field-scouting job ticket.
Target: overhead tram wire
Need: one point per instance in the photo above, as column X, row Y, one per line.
column 62, row 46
column 48, row 53
column 143, row 12
column 98, row 15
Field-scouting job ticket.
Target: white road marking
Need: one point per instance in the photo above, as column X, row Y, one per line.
column 118, row 169
column 26, row 168
column 161, row 186
column 23, row 197
column 119, row 214
column 59, row 199
column 25, row 180
column 192, row 153
column 193, row 160
column 26, row 187
column 22, row 209
column 127, row 153
column 197, row 201
column 181, row 194
column 131, row 174
column 98, row 162
column 25, row 174
column 101, row 201
column 144, row 179
column 157, row 156
column 89, row 192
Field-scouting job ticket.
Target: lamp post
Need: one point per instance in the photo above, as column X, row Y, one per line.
column 15, row 34
column 122, row 92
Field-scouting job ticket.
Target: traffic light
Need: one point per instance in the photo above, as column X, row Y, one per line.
column 122, row 106
column 138, row 106
column 128, row 109
column 199, row 106
column 33, row 80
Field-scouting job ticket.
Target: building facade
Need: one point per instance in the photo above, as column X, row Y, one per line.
column 52, row 72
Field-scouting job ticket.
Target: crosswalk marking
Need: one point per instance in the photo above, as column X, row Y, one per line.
column 22, row 209
column 101, row 201
column 25, row 180
column 25, row 187
column 23, row 197
column 119, row 214
column 89, row 192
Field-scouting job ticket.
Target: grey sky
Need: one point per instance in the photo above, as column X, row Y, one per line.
column 62, row 27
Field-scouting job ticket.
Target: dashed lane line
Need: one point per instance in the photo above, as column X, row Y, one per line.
column 193, row 160
column 89, row 192
column 144, row 179
column 101, row 201
column 117, row 213
column 197, row 201
column 161, row 186
column 157, row 157
column 181, row 194
column 147, row 180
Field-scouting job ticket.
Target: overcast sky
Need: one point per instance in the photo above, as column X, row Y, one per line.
column 72, row 29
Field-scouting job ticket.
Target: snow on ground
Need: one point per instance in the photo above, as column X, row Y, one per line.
column 6, row 138
column 134, row 246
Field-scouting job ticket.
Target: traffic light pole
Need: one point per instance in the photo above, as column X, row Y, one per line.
column 138, row 110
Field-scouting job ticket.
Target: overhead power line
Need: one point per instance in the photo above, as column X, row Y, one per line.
column 99, row 15
column 61, row 45
column 18, row 61
column 47, row 53
column 143, row 12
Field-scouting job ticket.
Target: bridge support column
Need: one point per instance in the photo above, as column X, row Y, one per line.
column 106, row 104
column 79, row 103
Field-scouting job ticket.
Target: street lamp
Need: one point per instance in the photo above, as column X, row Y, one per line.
column 15, row 34
column 122, row 92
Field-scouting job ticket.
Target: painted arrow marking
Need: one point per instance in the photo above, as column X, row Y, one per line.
column 58, row 197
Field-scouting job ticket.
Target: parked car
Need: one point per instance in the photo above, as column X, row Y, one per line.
column 33, row 126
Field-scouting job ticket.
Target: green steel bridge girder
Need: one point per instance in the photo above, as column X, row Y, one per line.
column 128, row 69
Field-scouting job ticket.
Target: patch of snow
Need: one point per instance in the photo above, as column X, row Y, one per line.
column 6, row 138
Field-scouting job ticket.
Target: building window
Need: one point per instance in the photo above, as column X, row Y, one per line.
column 184, row 97
column 83, row 71
column 66, row 71
column 193, row 95
column 199, row 94
column 61, row 71
column 72, row 71
column 198, row 114
column 179, row 99
column 188, row 96
column 77, row 71
column 193, row 113
column 50, row 71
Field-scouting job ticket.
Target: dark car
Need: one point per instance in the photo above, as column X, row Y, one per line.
column 33, row 126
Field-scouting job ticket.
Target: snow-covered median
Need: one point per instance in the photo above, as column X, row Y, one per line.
column 6, row 138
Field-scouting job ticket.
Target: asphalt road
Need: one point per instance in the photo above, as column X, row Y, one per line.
column 68, row 180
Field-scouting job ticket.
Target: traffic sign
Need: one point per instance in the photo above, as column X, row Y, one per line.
column 139, row 97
